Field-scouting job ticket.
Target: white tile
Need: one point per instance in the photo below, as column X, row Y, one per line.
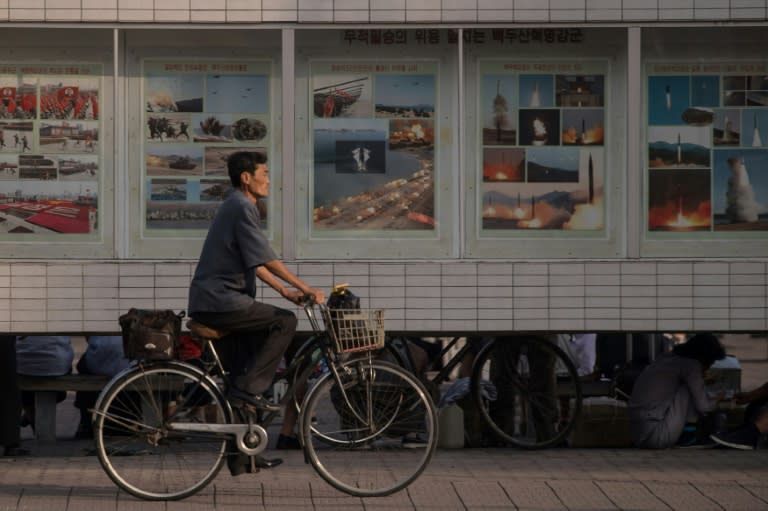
column 710, row 268
column 64, row 270
column 675, row 4
column 701, row 302
column 531, row 280
column 387, row 269
column 459, row 16
column 136, row 270
column 64, row 292
column 101, row 326
column 279, row 16
column 505, row 304
column 638, row 291
column 355, row 281
column 602, row 313
column 675, row 313
column 635, row 268
column 27, row 292
column 566, row 325
column 420, row 269
column 424, row 325
column 280, row 4
column 675, row 14
column 566, row 280
column 447, row 4
column 531, row 4
column 97, row 269
column 175, row 304
column 495, row 292
column 460, row 292
column 605, row 4
column 459, row 303
column 208, row 16
column 674, row 325
column 136, row 292
column 144, row 282
column 598, row 291
column 531, row 269
column 19, row 281
column 459, row 280
column 640, row 14
column 637, row 324
column 747, row 301
column 526, row 292
column 601, row 301
column 754, row 325
column 106, row 303
column 672, row 302
column 99, row 4
column 421, row 313
column 32, row 325
column 634, row 302
column 5, row 270
column 717, row 313
column 127, row 303
column 424, row 16
column 737, row 4
column 393, row 302
column 31, row 270
column 602, row 268
column 100, row 281
column 627, row 314
column 30, row 4
column 425, row 292
column 205, row 5
column 173, row 270
column 747, row 313
column 567, row 4
column 747, row 268
column 460, row 314
column 602, row 280
column 62, row 15
column 606, row 324
column 674, row 291
column 638, row 280
column 495, row 280
column 423, row 303
column 56, row 281
column 386, row 292
column 27, row 305
column 103, row 315
column 531, row 303
column 713, row 290
column 566, row 291
column 714, row 325
column 388, row 280
column 171, row 281
column 567, row 15
column 182, row 293
column 386, row 4
column 356, row 16
column 62, row 315
column 576, row 313
column 747, row 14
column 663, row 268
column 711, row 14
column 495, row 325
column 497, row 16
column 532, row 325
column 387, row 16
column 676, row 280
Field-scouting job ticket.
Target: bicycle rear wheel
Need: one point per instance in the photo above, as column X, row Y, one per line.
column 376, row 416
column 135, row 442
column 527, row 390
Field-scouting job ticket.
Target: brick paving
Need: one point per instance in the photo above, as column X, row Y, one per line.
column 64, row 479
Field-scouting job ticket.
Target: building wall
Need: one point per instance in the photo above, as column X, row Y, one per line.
column 719, row 286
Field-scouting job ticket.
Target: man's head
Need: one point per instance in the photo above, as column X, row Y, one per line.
column 248, row 172
column 705, row 348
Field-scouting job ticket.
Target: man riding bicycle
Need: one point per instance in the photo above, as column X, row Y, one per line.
column 223, row 289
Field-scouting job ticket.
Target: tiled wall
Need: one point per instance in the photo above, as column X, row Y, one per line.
column 380, row 11
column 422, row 297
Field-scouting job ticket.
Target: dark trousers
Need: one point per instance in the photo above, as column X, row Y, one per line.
column 10, row 397
column 259, row 335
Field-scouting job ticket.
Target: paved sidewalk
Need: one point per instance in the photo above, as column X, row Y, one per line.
column 65, row 479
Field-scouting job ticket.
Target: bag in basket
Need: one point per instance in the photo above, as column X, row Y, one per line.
column 151, row 334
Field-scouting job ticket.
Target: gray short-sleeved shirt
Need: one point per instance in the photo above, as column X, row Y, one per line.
column 225, row 278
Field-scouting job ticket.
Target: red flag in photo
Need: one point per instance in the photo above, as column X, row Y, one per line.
column 67, row 92
column 7, row 92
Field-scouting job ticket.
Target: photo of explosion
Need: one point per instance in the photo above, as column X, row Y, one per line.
column 679, row 200
column 579, row 90
column 574, row 205
column 539, row 127
column 583, row 126
column 502, row 165
column 536, row 91
column 726, row 127
column 740, row 190
column 173, row 93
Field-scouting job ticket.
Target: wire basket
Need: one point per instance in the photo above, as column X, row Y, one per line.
column 355, row 329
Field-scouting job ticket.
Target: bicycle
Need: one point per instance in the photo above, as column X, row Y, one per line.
column 526, row 389
column 163, row 430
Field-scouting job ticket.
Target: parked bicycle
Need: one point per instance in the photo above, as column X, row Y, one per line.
column 526, row 389
column 163, row 430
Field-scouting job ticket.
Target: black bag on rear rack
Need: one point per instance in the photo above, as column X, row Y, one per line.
column 150, row 334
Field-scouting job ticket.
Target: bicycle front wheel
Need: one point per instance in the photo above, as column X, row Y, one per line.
column 376, row 416
column 527, row 390
column 136, row 442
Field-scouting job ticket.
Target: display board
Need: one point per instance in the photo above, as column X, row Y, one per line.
column 706, row 154
column 542, row 137
column 51, row 163
column 196, row 114
column 374, row 139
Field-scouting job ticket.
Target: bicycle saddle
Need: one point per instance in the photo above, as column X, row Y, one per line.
column 202, row 331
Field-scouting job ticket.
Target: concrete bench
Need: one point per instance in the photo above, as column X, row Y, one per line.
column 46, row 388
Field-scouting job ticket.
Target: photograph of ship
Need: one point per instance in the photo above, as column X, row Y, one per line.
column 179, row 215
column 726, row 127
column 698, row 116
column 497, row 110
column 539, row 127
column 173, row 93
column 214, row 190
column 216, row 158
column 536, row 91
column 212, row 128
column 679, row 200
column 754, row 127
column 248, row 129
column 405, row 95
column 579, row 90
column 679, row 146
column 341, row 95
column 13, row 134
column 168, row 128
column 78, row 167
column 69, row 137
column 576, row 205
column 401, row 198
column 705, row 90
column 668, row 98
column 45, row 207
column 501, row 165
column 237, row 93
column 174, row 160
column 9, row 166
column 552, row 165
column 168, row 189
column 18, row 100
column 740, row 190
column 69, row 98
column 583, row 126
column 37, row 166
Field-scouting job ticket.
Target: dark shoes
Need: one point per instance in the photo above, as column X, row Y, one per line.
column 285, row 443
column 744, row 438
column 241, row 464
column 257, row 401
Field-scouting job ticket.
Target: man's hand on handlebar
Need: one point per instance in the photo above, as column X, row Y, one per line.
column 300, row 298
